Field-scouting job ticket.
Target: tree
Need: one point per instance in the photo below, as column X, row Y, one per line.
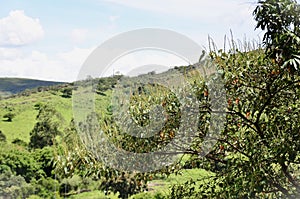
column 67, row 92
column 280, row 19
column 46, row 128
column 20, row 161
column 258, row 153
column 12, row 186
column 19, row 142
column 9, row 116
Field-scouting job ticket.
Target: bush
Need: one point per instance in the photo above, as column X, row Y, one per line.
column 46, row 128
column 70, row 184
column 67, row 92
column 20, row 162
column 19, row 142
column 125, row 184
column 44, row 157
column 9, row 116
column 12, row 186
column 46, row 187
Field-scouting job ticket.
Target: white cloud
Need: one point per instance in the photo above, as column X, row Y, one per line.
column 63, row 66
column 79, row 35
column 19, row 29
column 76, row 56
column 113, row 18
column 10, row 54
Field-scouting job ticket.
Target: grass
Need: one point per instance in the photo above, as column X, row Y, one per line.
column 162, row 184
column 94, row 195
column 24, row 109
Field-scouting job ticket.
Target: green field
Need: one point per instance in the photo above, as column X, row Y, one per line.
column 25, row 113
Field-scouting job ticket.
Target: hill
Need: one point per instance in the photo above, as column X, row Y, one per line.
column 9, row 86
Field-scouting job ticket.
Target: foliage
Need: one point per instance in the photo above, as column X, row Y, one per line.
column 34, row 167
column 67, row 92
column 258, row 152
column 73, row 159
column 21, row 162
column 14, row 187
column 76, row 184
column 280, row 20
column 45, row 158
column 19, row 142
column 256, row 156
column 125, row 184
column 46, row 128
column 46, row 187
column 185, row 191
column 106, row 83
column 141, row 103
column 70, row 184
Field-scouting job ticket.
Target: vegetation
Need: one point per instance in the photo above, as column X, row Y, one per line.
column 46, row 129
column 9, row 116
column 257, row 155
column 46, row 154
column 280, row 20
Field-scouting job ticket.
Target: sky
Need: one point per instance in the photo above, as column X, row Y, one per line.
column 50, row 40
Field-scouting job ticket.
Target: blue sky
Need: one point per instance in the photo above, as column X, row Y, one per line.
column 51, row 39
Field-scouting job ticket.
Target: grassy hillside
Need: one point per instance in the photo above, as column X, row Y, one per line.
column 10, row 86
column 25, row 113
column 25, row 108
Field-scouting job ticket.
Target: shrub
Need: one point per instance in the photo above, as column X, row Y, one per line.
column 12, row 186
column 21, row 162
column 46, row 128
column 9, row 116
column 70, row 184
column 67, row 92
column 19, row 142
column 46, row 187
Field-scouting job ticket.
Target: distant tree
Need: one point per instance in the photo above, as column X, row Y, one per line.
column 19, row 142
column 67, row 92
column 9, row 116
column 38, row 105
column 46, row 128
